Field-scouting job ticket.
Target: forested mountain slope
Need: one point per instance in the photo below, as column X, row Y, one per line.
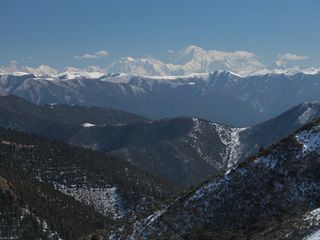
column 106, row 186
column 182, row 150
column 274, row 195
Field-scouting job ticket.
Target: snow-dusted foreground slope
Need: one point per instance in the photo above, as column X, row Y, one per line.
column 273, row 196
column 106, row 201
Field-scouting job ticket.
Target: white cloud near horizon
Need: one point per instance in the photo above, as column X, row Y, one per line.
column 95, row 55
column 12, row 67
column 283, row 59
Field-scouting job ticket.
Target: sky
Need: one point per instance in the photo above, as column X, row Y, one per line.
column 77, row 33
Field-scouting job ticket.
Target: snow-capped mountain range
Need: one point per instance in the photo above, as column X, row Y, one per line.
column 220, row 96
column 190, row 60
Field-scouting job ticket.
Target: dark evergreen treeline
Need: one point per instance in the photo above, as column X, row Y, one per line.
column 33, row 164
column 34, row 210
column 63, row 163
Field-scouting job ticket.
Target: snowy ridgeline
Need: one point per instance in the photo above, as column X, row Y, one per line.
column 309, row 114
column 312, row 219
column 106, row 200
column 140, row 225
column 231, row 139
column 309, row 139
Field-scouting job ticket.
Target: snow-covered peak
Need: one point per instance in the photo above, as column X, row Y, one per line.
column 311, row 71
column 203, row 76
column 19, row 74
column 192, row 59
column 71, row 74
column 192, row 48
column 188, row 54
column 42, row 71
column 139, row 66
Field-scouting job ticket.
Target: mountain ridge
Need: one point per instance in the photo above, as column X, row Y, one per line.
column 220, row 96
column 274, row 195
column 182, row 150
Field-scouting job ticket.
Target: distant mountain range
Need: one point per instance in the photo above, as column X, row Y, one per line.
column 190, row 60
column 220, row 96
column 185, row 150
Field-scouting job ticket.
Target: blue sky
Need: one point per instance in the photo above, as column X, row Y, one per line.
column 53, row 32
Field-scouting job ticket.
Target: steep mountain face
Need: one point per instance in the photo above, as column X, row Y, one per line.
column 220, row 96
column 196, row 147
column 189, row 150
column 183, row 150
column 271, row 94
column 272, row 196
column 273, row 130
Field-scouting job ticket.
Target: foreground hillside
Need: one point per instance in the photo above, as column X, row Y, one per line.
column 48, row 177
column 272, row 196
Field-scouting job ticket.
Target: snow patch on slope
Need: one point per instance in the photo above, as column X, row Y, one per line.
column 313, row 216
column 196, row 139
column 140, row 226
column 105, row 200
column 310, row 141
column 268, row 161
column 307, row 115
column 194, row 135
column 87, row 125
column 314, row 236
column 70, row 75
column 231, row 139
